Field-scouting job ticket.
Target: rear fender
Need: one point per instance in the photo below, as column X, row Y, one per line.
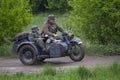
column 27, row 43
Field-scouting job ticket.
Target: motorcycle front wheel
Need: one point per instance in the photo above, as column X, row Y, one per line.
column 77, row 52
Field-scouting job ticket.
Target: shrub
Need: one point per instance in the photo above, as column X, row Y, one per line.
column 6, row 50
column 97, row 20
column 49, row 5
column 38, row 5
column 58, row 5
column 14, row 16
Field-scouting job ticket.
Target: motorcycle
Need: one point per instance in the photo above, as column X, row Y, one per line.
column 30, row 52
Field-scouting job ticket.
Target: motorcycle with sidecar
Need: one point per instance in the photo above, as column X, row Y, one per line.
column 30, row 52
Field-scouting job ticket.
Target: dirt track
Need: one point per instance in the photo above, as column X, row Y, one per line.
column 13, row 65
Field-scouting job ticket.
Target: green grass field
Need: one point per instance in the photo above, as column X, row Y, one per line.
column 50, row 73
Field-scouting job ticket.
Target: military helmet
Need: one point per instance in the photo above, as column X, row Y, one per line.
column 34, row 28
column 51, row 17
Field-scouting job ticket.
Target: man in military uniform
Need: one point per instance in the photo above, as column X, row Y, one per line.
column 50, row 28
column 36, row 37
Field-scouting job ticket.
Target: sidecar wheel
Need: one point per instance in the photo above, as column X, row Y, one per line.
column 27, row 55
column 77, row 52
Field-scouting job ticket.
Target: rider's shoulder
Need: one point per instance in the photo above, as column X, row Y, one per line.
column 45, row 24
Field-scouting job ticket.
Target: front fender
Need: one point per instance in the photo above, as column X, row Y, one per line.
column 27, row 43
column 76, row 40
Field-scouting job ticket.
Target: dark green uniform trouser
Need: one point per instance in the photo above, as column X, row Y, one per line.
column 41, row 43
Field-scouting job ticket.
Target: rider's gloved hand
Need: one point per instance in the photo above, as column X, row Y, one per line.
column 46, row 35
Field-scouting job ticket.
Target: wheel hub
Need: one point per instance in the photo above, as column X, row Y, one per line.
column 75, row 51
column 28, row 55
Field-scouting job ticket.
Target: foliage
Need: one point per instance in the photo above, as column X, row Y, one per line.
column 6, row 50
column 49, row 5
column 58, row 5
column 100, row 49
column 97, row 20
column 38, row 6
column 14, row 16
column 99, row 73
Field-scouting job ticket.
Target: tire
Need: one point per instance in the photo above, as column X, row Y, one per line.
column 77, row 54
column 27, row 55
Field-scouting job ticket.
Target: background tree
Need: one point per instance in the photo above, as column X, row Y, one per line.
column 58, row 5
column 97, row 20
column 38, row 6
column 14, row 16
column 49, row 5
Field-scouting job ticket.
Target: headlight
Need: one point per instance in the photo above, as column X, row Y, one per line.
column 79, row 42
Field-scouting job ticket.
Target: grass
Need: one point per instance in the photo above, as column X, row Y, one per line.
column 6, row 50
column 99, row 49
column 50, row 73
column 61, row 19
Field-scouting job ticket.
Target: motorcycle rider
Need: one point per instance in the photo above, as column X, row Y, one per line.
column 36, row 37
column 50, row 27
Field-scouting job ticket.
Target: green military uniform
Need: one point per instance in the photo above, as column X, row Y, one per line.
column 34, row 37
column 51, row 29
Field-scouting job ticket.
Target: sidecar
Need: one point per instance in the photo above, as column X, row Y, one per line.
column 30, row 52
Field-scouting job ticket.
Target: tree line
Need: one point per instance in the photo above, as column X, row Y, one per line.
column 95, row 20
column 49, row 5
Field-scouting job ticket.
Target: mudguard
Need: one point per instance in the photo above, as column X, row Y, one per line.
column 76, row 40
column 26, row 43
